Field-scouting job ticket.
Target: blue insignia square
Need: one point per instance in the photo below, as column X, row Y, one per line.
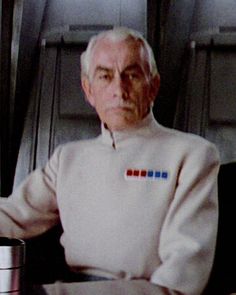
column 150, row 173
column 164, row 174
column 157, row 174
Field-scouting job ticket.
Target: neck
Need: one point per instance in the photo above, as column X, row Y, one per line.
column 128, row 126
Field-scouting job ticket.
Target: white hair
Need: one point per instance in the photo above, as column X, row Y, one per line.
column 117, row 34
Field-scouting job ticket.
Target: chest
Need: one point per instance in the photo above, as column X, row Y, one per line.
column 120, row 182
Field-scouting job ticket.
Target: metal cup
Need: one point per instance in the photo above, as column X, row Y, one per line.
column 12, row 260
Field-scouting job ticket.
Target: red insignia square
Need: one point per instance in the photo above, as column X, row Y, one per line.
column 129, row 172
column 136, row 173
column 143, row 173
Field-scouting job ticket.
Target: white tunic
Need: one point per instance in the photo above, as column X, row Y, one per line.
column 135, row 204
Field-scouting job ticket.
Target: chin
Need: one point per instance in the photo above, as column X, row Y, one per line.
column 120, row 126
column 117, row 122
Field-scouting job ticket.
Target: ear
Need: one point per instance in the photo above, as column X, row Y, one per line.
column 154, row 87
column 87, row 90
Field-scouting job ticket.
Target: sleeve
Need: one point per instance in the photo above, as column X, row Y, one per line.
column 32, row 207
column 188, row 237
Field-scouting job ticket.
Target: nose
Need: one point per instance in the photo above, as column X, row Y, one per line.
column 119, row 88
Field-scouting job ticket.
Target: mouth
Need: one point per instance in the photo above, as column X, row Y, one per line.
column 120, row 111
column 121, row 108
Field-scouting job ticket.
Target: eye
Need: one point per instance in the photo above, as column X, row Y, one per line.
column 104, row 77
column 131, row 76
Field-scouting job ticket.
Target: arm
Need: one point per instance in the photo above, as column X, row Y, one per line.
column 189, row 232
column 32, row 208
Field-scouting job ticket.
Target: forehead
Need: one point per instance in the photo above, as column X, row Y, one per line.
column 121, row 53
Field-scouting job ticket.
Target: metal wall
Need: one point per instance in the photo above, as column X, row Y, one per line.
column 206, row 103
column 61, row 13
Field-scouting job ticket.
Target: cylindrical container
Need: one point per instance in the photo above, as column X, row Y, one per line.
column 12, row 260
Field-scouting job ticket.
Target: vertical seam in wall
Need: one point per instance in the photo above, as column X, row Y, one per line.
column 120, row 13
column 17, row 23
column 145, row 20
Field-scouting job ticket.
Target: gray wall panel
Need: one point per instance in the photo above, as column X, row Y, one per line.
column 134, row 14
column 90, row 12
column 223, row 86
column 61, row 13
column 70, row 85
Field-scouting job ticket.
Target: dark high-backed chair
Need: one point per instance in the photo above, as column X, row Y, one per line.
column 58, row 113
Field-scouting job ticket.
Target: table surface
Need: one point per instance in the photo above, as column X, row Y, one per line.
column 116, row 287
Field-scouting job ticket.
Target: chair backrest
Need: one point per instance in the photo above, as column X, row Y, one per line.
column 58, row 111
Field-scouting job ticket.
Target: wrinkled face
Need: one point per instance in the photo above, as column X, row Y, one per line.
column 120, row 86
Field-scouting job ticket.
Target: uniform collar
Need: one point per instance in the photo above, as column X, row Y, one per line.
column 118, row 138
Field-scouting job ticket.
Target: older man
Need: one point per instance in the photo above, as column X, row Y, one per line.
column 139, row 201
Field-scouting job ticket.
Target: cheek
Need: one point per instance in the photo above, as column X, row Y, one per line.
column 97, row 95
column 100, row 92
column 142, row 100
column 141, row 94
column 100, row 99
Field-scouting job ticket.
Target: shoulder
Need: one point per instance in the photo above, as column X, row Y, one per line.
column 183, row 138
column 187, row 144
column 79, row 144
column 73, row 147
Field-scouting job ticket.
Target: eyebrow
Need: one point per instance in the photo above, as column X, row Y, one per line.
column 102, row 69
column 132, row 67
